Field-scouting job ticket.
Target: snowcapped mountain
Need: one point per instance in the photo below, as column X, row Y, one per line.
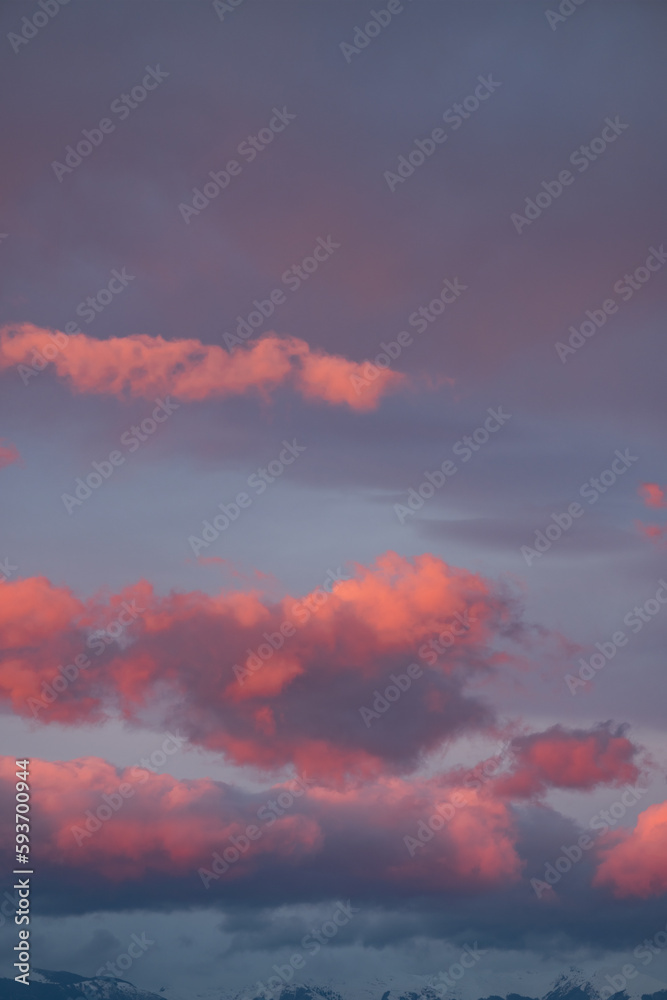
column 48, row 985
column 573, row 985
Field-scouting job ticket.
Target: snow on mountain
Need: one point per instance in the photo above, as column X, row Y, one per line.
column 513, row 984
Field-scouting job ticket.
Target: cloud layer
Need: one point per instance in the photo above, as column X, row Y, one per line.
column 125, row 834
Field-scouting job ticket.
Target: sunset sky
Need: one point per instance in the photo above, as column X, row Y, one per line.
column 332, row 398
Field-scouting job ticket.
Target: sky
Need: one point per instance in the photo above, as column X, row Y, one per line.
column 332, row 470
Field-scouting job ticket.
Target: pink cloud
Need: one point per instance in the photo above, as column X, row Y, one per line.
column 8, row 455
column 142, row 366
column 306, row 681
column 268, row 682
column 160, row 826
column 652, row 495
column 574, row 759
column 634, row 863
column 656, row 532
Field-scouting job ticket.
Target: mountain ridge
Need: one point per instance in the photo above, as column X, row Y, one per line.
column 61, row 985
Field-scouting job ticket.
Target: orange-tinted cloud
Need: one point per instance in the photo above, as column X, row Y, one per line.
column 634, row 863
column 142, row 366
column 268, row 683
column 575, row 759
column 652, row 495
column 157, row 826
column 44, row 627
column 111, row 832
column 309, row 682
column 8, row 454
